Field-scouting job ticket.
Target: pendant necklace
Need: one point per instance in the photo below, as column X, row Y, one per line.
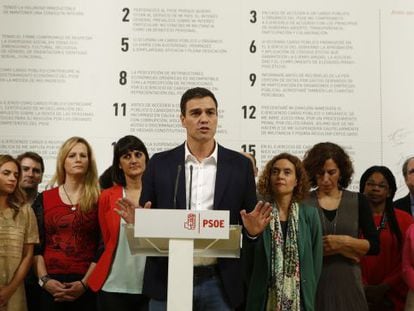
column 326, row 227
column 73, row 208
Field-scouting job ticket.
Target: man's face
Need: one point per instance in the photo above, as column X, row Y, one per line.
column 31, row 173
column 200, row 119
column 409, row 179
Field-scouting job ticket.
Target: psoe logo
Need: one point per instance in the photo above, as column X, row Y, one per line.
column 190, row 224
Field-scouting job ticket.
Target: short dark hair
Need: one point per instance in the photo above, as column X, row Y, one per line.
column 123, row 146
column 197, row 92
column 34, row 156
column 405, row 166
column 316, row 157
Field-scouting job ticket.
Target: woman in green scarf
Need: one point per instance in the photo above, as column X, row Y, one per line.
column 282, row 266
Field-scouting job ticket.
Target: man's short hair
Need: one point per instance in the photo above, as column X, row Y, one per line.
column 405, row 166
column 197, row 92
column 34, row 156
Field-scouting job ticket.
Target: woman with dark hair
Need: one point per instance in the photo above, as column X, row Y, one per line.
column 18, row 233
column 105, row 179
column 343, row 215
column 282, row 267
column 69, row 230
column 381, row 274
column 118, row 275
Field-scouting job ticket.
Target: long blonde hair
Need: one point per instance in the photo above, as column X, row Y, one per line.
column 16, row 199
column 90, row 193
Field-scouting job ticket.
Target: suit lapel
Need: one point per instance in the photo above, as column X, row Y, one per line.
column 222, row 176
column 178, row 159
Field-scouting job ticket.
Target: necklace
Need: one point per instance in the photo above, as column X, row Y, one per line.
column 73, row 208
column 324, row 219
column 383, row 222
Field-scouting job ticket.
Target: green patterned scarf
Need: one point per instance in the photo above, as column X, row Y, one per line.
column 284, row 287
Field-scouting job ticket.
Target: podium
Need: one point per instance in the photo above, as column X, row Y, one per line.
column 181, row 235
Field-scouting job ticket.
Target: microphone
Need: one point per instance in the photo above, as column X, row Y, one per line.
column 176, row 185
column 190, row 187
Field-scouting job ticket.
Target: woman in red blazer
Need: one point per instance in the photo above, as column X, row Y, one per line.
column 118, row 275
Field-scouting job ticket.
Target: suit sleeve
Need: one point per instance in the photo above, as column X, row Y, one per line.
column 38, row 210
column 250, row 195
column 148, row 184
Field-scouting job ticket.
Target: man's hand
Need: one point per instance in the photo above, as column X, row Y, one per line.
column 126, row 209
column 256, row 221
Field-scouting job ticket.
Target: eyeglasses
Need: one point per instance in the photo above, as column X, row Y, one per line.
column 372, row 185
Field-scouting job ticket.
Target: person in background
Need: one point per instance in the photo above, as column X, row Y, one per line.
column 282, row 267
column 32, row 167
column 344, row 214
column 118, row 275
column 381, row 274
column 70, row 230
column 105, row 179
column 18, row 234
column 407, row 203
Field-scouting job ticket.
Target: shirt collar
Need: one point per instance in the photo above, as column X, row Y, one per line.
column 189, row 157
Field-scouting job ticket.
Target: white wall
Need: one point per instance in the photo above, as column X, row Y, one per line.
column 322, row 70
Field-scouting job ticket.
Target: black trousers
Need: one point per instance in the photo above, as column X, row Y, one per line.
column 108, row 301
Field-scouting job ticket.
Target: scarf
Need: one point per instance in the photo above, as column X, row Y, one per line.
column 284, row 287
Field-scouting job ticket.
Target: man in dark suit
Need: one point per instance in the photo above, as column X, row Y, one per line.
column 222, row 179
column 407, row 203
column 33, row 167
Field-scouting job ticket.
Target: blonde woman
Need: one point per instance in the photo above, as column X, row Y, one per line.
column 70, row 231
column 18, row 233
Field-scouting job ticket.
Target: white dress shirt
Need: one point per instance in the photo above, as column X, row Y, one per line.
column 203, row 180
column 203, row 183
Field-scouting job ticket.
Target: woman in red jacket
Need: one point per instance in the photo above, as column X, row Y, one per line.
column 381, row 274
column 118, row 275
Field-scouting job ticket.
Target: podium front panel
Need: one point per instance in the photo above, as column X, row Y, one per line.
column 184, row 224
